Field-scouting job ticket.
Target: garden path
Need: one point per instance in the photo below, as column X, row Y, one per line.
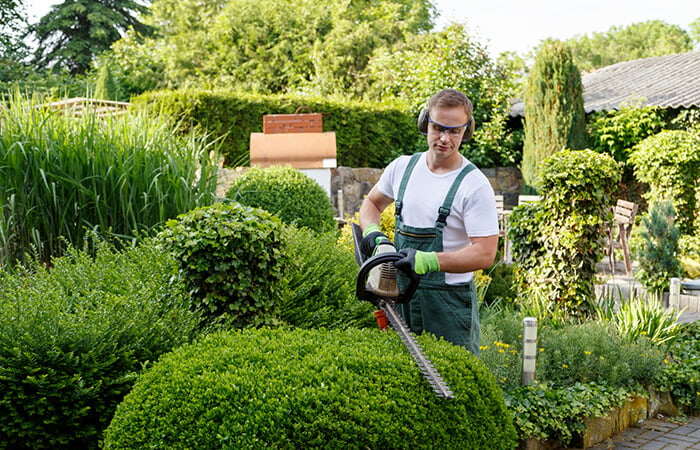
column 656, row 434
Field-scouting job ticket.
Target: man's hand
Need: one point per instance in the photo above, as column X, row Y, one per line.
column 417, row 261
column 371, row 238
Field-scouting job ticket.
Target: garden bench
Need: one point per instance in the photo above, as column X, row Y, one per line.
column 619, row 233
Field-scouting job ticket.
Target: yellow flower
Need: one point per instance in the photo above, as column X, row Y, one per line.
column 587, row 352
column 483, row 347
column 541, row 349
column 565, row 366
column 602, row 358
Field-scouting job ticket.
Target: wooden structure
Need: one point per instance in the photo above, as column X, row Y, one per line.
column 79, row 106
column 619, row 233
column 528, row 198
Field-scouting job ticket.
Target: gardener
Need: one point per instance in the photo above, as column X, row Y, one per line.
column 446, row 222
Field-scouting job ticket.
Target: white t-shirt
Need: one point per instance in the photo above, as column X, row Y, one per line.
column 472, row 213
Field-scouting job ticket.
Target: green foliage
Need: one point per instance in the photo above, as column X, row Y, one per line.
column 547, row 412
column 287, row 193
column 73, row 339
column 616, row 132
column 73, row 32
column 656, row 248
column 277, row 46
column 669, row 162
column 593, row 352
column 106, row 86
column 321, row 277
column 232, row 261
column 681, row 372
column 500, row 286
column 301, row 389
column 637, row 319
column 61, row 175
column 635, row 41
column 557, row 242
column 426, row 63
column 554, row 114
column 367, row 134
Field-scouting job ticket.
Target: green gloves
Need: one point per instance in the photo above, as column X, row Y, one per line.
column 371, row 237
column 417, row 261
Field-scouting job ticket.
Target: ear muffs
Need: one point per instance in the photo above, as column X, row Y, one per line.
column 423, row 125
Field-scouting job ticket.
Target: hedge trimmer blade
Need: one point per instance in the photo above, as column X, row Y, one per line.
column 426, row 367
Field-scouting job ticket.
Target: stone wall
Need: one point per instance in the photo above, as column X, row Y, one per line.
column 356, row 183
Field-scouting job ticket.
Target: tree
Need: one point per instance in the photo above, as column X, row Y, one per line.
column 554, row 114
column 695, row 33
column 639, row 40
column 75, row 31
column 276, row 46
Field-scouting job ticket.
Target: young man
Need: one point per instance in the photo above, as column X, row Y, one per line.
column 446, row 222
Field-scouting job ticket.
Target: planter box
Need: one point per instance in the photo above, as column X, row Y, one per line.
column 599, row 429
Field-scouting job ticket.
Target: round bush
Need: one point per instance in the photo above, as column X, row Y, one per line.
column 231, row 259
column 311, row 389
column 286, row 192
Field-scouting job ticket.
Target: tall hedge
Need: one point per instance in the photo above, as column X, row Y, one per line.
column 669, row 162
column 554, row 114
column 367, row 134
column 311, row 389
column 557, row 241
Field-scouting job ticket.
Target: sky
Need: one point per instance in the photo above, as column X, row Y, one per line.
column 519, row 26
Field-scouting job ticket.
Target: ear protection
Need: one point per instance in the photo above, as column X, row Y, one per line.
column 423, row 125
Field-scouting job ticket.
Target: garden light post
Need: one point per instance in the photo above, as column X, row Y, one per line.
column 529, row 349
column 674, row 293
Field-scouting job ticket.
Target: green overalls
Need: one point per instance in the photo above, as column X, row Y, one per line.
column 449, row 311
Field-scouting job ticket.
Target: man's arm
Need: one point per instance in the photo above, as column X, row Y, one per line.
column 479, row 255
column 372, row 207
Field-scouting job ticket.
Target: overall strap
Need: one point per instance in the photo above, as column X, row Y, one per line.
column 444, row 210
column 404, row 182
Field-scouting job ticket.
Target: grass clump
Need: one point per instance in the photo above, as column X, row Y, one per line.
column 61, row 175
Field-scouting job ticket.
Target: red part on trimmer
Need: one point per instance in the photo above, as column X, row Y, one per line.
column 381, row 319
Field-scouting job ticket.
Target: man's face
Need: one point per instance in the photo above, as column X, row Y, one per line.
column 446, row 127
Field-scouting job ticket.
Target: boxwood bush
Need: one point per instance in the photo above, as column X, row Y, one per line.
column 286, row 192
column 310, row 389
column 321, row 277
column 73, row 339
column 231, row 258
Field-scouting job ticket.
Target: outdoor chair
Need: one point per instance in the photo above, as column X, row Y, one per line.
column 619, row 233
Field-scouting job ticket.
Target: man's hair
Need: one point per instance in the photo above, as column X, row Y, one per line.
column 448, row 98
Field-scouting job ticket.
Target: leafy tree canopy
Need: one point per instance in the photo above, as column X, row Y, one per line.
column 75, row 31
column 639, row 40
column 273, row 46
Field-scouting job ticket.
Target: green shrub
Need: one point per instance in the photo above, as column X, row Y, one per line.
column 500, row 287
column 286, row 192
column 594, row 352
column 669, row 162
column 501, row 347
column 231, row 258
column 369, row 134
column 557, row 242
column 73, row 339
column 310, row 389
column 656, row 248
column 61, row 175
column 681, row 372
column 553, row 413
column 321, row 277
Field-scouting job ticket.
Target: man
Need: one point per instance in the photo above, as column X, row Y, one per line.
column 446, row 222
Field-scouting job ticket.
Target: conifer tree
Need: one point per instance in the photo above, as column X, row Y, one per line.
column 554, row 114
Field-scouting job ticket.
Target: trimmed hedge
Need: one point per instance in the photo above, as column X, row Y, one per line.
column 367, row 134
column 73, row 339
column 287, row 193
column 311, row 389
column 231, row 258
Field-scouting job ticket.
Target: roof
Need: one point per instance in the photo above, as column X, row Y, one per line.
column 671, row 81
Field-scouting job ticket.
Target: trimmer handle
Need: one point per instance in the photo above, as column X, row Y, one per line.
column 363, row 293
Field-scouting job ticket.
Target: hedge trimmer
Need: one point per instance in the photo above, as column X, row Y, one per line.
column 377, row 284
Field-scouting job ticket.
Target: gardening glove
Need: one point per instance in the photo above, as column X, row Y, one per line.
column 417, row 262
column 371, row 238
